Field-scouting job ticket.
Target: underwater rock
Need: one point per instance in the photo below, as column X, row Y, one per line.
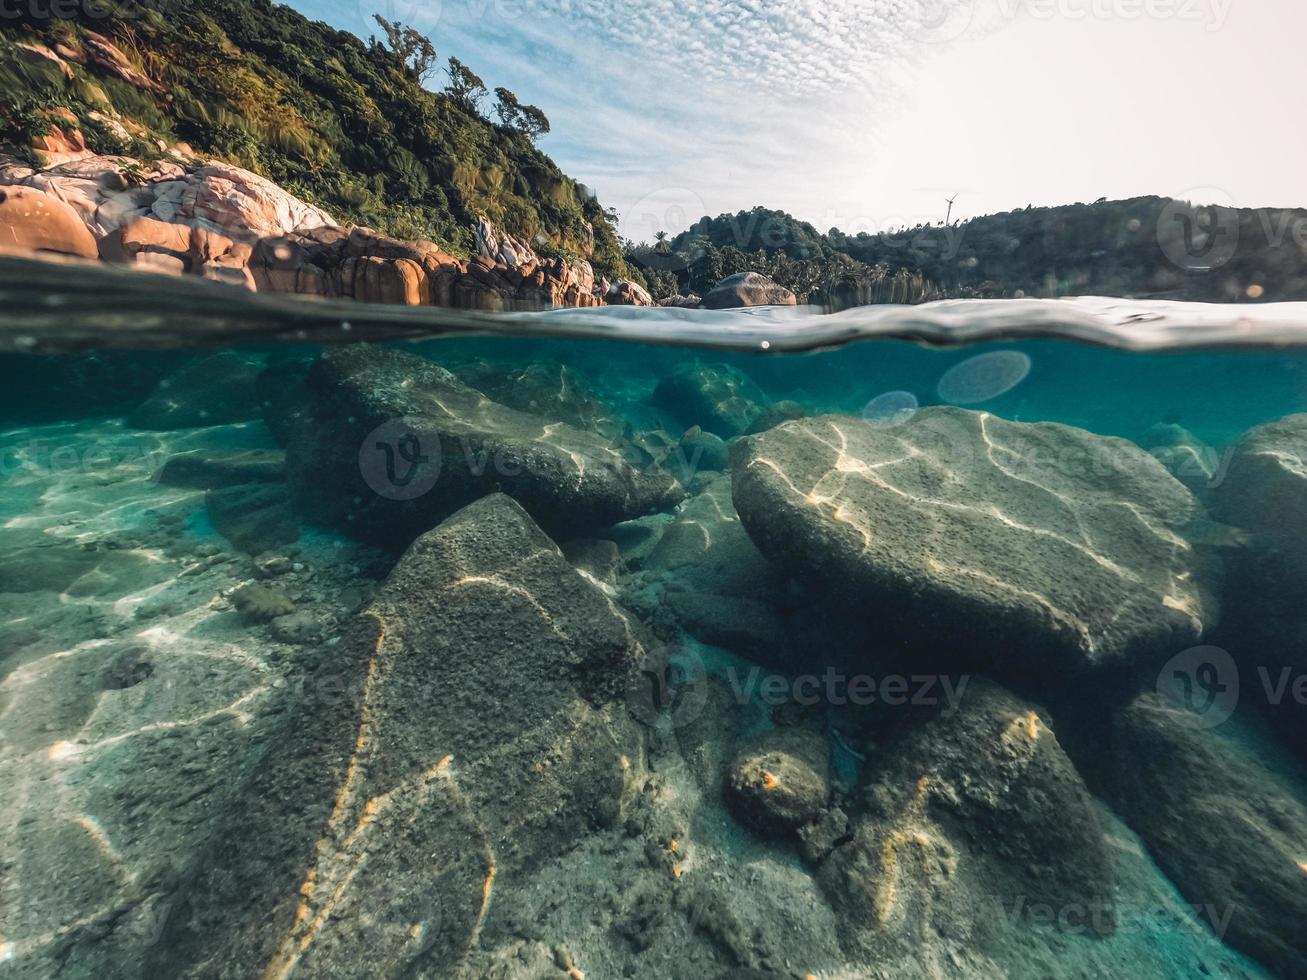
column 704, row 451
column 468, row 726
column 596, row 558
column 713, row 580
column 300, row 628
column 549, row 389
column 282, row 389
column 1184, row 455
column 823, row 835
column 718, row 398
column 747, row 289
column 708, row 550
column 253, row 516
column 776, row 413
column 213, row 390
column 1263, row 493
column 76, row 571
column 399, row 443
column 966, row 817
column 261, row 603
column 1052, row 550
column 708, row 716
column 209, row 470
column 1225, row 816
column 780, row 783
column 32, row 221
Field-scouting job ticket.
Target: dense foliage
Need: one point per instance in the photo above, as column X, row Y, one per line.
column 342, row 122
column 1144, row 247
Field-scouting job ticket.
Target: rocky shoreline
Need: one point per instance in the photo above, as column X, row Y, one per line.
column 223, row 223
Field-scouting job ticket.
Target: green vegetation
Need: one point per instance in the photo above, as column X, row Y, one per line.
column 348, row 125
column 1143, row 247
column 791, row 252
column 343, row 123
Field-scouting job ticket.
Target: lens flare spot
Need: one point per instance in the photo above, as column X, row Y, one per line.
column 985, row 376
column 890, row 409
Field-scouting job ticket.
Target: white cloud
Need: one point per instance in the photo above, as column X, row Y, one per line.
column 868, row 113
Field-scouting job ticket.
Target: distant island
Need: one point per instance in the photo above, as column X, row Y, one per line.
column 396, row 176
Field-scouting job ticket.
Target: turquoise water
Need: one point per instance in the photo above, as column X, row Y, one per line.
column 541, row 656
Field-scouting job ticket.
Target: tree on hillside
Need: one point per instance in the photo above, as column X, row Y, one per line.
column 526, row 119
column 534, row 122
column 413, row 48
column 465, row 85
column 507, row 108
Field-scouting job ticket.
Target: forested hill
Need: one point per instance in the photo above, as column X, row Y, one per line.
column 1143, row 247
column 348, row 124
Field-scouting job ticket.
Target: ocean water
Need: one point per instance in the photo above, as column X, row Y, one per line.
column 963, row 640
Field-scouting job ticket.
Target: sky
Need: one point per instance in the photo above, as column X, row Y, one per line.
column 868, row 114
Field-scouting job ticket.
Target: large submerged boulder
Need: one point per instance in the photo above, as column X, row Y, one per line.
column 1264, row 491
column 551, row 389
column 398, row 443
column 710, row 579
column 718, row 398
column 966, row 819
column 468, row 727
column 217, row 468
column 1262, row 494
column 1049, row 549
column 747, row 289
column 253, row 516
column 1224, row 813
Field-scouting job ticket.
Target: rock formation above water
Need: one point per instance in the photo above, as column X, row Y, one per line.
column 747, row 289
column 224, row 223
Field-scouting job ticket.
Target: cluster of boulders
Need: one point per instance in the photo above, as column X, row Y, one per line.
column 553, row 552
column 227, row 224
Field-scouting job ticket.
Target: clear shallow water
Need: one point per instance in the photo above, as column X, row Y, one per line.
column 636, row 657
